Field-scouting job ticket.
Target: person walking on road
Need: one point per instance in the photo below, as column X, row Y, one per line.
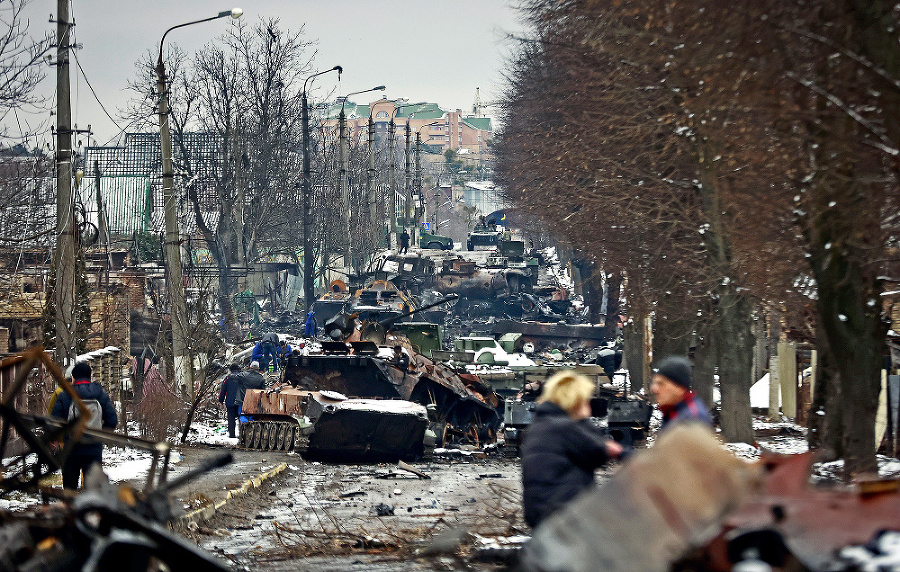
column 561, row 448
column 671, row 387
column 103, row 416
column 230, row 395
column 404, row 243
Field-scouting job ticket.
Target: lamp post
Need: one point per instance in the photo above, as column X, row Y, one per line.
column 343, row 157
column 420, row 209
column 177, row 308
column 392, row 129
column 308, row 267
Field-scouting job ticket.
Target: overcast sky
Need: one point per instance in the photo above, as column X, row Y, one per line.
column 434, row 50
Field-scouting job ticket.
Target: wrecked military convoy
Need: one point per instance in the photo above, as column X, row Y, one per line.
column 403, row 404
column 401, row 407
column 499, row 283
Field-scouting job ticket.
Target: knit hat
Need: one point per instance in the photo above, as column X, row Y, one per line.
column 235, row 367
column 81, row 370
column 254, row 365
column 675, row 368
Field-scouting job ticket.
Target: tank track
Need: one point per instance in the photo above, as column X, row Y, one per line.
column 272, row 436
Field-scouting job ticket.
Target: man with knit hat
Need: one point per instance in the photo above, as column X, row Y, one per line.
column 103, row 416
column 671, row 386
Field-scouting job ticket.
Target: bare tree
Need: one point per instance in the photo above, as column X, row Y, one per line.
column 724, row 145
column 20, row 58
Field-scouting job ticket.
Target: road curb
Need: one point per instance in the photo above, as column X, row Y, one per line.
column 207, row 512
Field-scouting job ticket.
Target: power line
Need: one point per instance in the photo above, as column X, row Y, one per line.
column 78, row 63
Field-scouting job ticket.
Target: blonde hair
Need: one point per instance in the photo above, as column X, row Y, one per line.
column 568, row 390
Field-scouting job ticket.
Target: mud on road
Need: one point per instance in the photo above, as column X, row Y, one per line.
column 317, row 516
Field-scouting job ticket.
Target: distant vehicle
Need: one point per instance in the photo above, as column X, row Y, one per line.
column 435, row 241
column 484, row 238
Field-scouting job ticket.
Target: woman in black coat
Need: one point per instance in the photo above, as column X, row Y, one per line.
column 562, row 448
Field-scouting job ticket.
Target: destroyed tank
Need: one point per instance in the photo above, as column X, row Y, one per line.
column 328, row 425
column 461, row 408
column 363, row 362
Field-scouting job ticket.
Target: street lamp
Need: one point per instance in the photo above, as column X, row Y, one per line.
column 308, row 267
column 178, row 311
column 392, row 129
column 343, row 157
column 420, row 211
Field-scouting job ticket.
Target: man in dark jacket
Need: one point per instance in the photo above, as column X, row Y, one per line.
column 671, row 386
column 229, row 395
column 103, row 415
column 404, row 243
column 561, row 448
column 251, row 379
column 268, row 352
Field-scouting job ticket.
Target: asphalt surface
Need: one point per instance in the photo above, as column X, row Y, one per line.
column 318, row 516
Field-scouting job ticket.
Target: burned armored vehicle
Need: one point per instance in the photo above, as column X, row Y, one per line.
column 329, row 425
column 627, row 416
column 389, row 384
column 461, row 408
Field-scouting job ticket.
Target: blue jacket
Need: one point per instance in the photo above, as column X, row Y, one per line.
column 87, row 390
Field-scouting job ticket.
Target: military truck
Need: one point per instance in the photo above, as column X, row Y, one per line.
column 435, row 241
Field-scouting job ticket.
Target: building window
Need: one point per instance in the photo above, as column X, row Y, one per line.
column 381, row 115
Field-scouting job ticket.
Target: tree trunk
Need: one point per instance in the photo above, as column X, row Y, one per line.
column 633, row 352
column 733, row 312
column 825, row 420
column 735, row 358
column 591, row 288
column 705, row 361
column 673, row 327
column 613, row 291
column 856, row 328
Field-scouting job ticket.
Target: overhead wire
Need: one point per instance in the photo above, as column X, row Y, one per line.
column 88, row 82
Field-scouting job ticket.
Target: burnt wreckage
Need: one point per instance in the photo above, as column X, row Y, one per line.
column 105, row 527
column 401, row 404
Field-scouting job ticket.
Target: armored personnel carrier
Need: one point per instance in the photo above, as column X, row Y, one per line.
column 461, row 408
column 383, row 375
column 329, row 425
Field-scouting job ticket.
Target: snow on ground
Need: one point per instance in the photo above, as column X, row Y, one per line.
column 211, row 432
column 790, row 439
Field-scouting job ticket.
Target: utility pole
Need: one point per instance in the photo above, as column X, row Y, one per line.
column 368, row 218
column 181, row 354
column 418, row 188
column 64, row 290
column 184, row 371
column 308, row 257
column 308, row 265
column 345, row 168
column 407, row 188
column 392, row 216
column 343, row 186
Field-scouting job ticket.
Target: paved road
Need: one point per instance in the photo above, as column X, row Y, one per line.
column 359, row 516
